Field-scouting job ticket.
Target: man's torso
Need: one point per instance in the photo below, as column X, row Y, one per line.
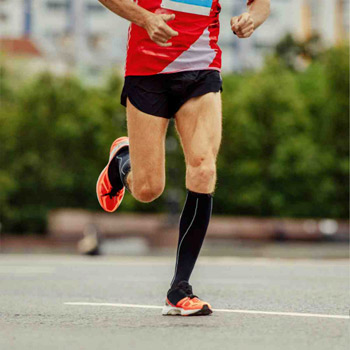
column 195, row 48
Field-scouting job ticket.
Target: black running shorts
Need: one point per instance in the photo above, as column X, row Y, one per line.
column 162, row 95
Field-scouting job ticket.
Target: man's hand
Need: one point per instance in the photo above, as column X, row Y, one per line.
column 158, row 30
column 243, row 25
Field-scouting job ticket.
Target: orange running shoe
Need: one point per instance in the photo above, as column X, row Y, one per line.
column 108, row 197
column 190, row 305
column 187, row 307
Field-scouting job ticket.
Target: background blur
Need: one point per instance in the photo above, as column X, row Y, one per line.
column 284, row 163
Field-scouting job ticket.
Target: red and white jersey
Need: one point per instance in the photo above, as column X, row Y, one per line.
column 195, row 48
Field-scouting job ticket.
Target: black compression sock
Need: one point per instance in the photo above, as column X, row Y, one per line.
column 193, row 227
column 119, row 169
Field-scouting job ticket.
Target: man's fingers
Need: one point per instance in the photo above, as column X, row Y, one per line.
column 168, row 18
column 247, row 29
column 241, row 22
column 163, row 34
column 243, row 25
column 159, row 31
column 234, row 20
column 169, row 31
column 243, row 18
column 161, row 39
column 245, row 35
column 235, row 27
column 163, row 44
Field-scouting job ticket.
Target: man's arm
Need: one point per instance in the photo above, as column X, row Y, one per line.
column 245, row 24
column 155, row 25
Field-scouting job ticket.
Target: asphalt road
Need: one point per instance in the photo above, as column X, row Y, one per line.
column 43, row 304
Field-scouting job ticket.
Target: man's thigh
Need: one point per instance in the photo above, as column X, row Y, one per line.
column 147, row 145
column 199, row 123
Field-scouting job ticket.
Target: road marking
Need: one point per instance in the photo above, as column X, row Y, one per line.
column 255, row 312
column 295, row 314
column 115, row 305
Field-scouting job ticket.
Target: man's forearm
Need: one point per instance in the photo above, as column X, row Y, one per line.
column 259, row 10
column 155, row 25
column 128, row 10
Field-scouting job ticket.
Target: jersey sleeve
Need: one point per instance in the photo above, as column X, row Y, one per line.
column 249, row 2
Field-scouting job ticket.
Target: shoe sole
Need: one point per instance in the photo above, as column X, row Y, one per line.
column 177, row 311
column 111, row 155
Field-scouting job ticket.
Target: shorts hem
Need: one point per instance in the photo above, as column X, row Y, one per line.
column 198, row 93
column 124, row 102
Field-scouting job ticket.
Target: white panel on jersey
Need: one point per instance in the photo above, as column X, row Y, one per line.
column 198, row 56
column 197, row 7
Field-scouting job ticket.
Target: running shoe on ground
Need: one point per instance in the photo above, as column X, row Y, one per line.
column 189, row 305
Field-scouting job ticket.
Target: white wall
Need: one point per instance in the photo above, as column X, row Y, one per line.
column 13, row 23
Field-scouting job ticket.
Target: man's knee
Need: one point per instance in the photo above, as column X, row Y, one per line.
column 201, row 172
column 147, row 191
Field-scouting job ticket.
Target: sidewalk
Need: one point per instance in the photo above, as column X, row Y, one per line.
column 139, row 247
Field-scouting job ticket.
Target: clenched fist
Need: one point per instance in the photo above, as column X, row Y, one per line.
column 158, row 30
column 243, row 25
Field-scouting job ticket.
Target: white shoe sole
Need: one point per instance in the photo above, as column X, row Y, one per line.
column 177, row 311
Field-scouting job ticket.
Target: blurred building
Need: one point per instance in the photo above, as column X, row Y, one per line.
column 74, row 35
column 83, row 36
column 23, row 53
column 302, row 18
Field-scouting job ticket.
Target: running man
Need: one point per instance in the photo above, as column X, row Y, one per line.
column 173, row 71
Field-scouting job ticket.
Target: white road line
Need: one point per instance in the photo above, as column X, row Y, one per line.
column 295, row 314
column 255, row 312
column 115, row 305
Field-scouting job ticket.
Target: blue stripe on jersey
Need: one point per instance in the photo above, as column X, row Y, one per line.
column 201, row 3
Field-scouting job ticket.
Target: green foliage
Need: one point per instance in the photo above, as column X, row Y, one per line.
column 285, row 146
column 284, row 150
column 294, row 53
column 54, row 137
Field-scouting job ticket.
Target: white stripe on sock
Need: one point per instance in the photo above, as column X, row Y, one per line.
column 178, row 251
